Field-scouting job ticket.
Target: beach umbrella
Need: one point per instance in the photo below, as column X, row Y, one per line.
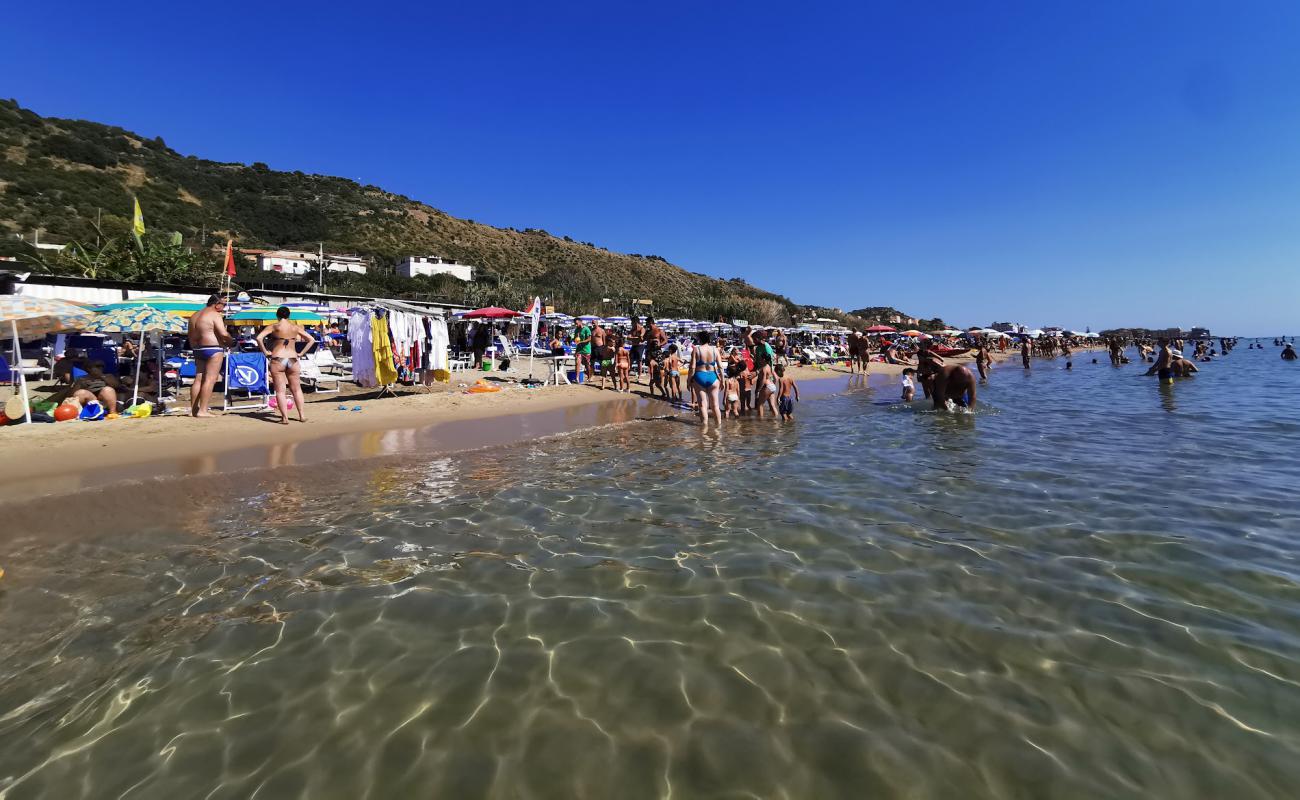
column 35, row 316
column 266, row 314
column 140, row 320
column 881, row 329
column 491, row 312
column 913, row 333
column 171, row 305
column 619, row 321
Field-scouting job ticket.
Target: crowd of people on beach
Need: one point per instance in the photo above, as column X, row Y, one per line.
column 719, row 373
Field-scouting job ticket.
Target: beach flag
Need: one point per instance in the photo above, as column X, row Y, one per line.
column 535, row 313
column 137, row 224
column 230, row 258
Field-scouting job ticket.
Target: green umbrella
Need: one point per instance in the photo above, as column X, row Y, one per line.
column 267, row 314
column 172, row 305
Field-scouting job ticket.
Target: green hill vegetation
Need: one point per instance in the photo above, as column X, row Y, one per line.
column 61, row 176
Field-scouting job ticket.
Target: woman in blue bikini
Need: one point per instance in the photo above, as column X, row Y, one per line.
column 705, row 372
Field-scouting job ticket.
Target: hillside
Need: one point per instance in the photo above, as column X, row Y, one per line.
column 57, row 175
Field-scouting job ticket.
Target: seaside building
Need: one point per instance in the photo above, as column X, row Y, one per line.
column 1198, row 333
column 290, row 262
column 346, row 263
column 411, row 266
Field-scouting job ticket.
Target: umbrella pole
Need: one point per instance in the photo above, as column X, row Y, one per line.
column 139, row 360
column 22, row 376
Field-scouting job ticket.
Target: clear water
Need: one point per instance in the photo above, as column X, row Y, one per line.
column 1089, row 588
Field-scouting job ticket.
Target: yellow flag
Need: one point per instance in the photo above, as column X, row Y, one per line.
column 138, row 224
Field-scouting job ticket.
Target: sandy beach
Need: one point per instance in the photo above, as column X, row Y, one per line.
column 41, row 460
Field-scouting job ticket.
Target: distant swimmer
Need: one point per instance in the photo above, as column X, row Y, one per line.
column 952, row 382
column 1288, row 353
column 1024, row 352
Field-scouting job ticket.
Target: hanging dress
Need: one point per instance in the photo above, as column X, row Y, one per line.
column 385, row 372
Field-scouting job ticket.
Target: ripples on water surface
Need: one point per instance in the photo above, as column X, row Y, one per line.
column 1088, row 589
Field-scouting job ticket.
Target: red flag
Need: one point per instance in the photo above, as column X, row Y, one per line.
column 230, row 259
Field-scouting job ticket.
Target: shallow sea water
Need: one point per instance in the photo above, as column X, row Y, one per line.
column 1088, row 588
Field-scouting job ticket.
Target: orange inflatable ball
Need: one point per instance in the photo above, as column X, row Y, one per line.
column 65, row 412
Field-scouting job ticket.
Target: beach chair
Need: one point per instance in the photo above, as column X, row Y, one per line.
column 505, row 351
column 246, row 379
column 460, row 361
column 310, row 375
column 324, row 358
column 108, row 355
column 9, row 372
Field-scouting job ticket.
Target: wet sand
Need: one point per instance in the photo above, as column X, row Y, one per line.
column 44, row 460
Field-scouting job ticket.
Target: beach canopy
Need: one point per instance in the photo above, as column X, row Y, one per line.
column 172, row 305
column 26, row 317
column 492, row 312
column 267, row 314
column 949, row 332
column 135, row 320
column 912, row 333
column 881, row 329
column 140, row 320
column 35, row 316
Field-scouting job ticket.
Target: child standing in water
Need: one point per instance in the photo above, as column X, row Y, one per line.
column 657, row 377
column 622, row 366
column 909, row 385
column 789, row 393
column 672, row 374
column 983, row 360
column 731, row 389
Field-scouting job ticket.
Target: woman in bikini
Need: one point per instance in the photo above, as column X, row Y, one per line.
column 278, row 342
column 622, row 365
column 706, row 376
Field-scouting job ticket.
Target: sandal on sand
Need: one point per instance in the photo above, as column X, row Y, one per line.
column 341, row 408
column 356, row 408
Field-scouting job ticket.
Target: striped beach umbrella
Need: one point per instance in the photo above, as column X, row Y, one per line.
column 26, row 317
column 266, row 314
column 36, row 316
column 172, row 305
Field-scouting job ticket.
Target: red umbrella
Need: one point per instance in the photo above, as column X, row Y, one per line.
column 492, row 312
column 880, row 329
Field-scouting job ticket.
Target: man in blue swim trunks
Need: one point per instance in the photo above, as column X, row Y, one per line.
column 209, row 340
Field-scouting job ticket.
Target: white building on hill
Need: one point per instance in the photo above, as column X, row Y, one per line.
column 289, row 262
column 411, row 266
column 338, row 263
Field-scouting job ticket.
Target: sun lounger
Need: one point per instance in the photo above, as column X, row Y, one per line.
column 312, row 377
column 324, row 358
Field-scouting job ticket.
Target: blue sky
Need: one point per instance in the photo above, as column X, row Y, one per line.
column 1048, row 163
